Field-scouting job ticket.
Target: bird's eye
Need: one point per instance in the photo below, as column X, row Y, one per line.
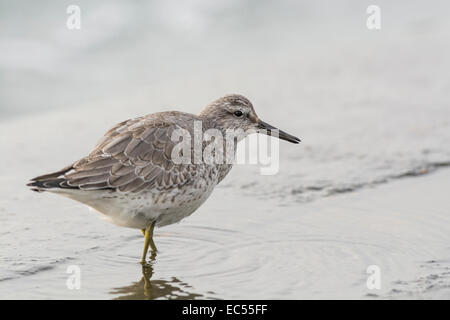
column 238, row 113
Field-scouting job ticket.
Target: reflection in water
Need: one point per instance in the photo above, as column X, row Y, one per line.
column 147, row 289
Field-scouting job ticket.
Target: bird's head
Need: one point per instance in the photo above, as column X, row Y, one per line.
column 234, row 112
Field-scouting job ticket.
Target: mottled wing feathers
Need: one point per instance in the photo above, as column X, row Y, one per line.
column 132, row 156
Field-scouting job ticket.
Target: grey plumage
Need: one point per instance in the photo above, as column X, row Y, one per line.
column 133, row 155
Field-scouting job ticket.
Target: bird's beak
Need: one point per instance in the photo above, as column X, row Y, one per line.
column 266, row 128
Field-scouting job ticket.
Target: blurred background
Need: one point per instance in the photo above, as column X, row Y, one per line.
column 371, row 106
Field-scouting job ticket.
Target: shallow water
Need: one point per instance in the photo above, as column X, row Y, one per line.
column 235, row 247
column 371, row 108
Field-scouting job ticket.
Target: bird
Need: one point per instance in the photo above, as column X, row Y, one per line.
column 135, row 177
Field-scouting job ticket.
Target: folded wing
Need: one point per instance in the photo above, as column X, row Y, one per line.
column 132, row 156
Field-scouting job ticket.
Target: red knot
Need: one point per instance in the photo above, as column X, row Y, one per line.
column 139, row 175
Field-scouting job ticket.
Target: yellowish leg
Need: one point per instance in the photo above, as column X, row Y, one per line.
column 148, row 234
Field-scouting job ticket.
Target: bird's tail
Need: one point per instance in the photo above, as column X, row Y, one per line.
column 50, row 181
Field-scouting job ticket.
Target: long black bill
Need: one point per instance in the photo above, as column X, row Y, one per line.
column 275, row 132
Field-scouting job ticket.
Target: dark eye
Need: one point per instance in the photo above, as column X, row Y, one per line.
column 238, row 113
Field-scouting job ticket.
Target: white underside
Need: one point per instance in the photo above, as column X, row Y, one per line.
column 140, row 210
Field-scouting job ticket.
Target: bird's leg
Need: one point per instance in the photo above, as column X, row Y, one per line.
column 148, row 240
